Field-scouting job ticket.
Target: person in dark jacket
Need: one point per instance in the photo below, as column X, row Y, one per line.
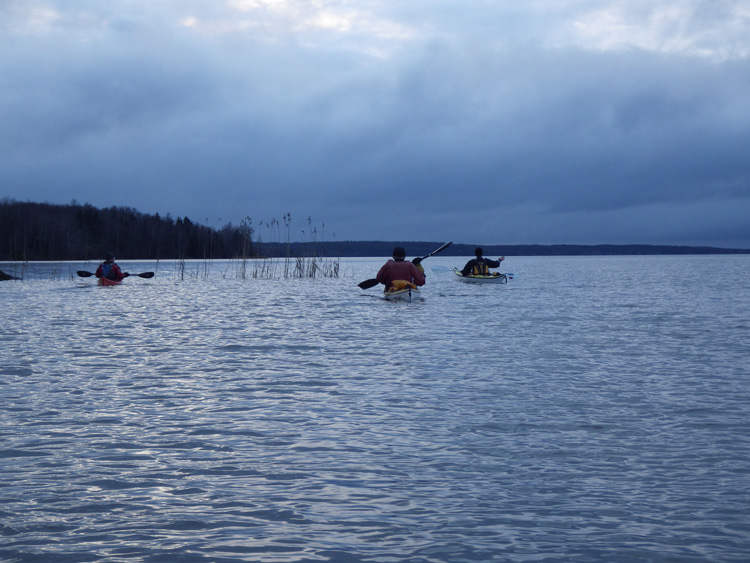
column 399, row 269
column 480, row 266
column 108, row 269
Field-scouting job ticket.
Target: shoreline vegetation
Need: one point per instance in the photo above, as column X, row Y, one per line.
column 31, row 232
column 43, row 232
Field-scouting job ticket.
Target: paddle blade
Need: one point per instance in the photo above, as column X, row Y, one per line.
column 367, row 284
column 146, row 275
column 84, row 273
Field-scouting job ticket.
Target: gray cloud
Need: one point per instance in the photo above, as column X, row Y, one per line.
column 490, row 125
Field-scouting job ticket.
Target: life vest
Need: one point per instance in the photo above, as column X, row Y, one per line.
column 480, row 268
column 401, row 284
column 106, row 270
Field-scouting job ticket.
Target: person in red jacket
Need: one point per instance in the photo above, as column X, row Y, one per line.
column 108, row 269
column 399, row 269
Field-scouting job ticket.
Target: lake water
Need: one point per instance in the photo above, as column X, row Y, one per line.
column 592, row 409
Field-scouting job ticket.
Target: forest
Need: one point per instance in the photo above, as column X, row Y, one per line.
column 44, row 231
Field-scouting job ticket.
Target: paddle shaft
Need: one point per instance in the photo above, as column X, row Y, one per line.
column 85, row 274
column 446, row 245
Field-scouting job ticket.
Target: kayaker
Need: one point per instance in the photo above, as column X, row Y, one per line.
column 480, row 265
column 109, row 269
column 401, row 269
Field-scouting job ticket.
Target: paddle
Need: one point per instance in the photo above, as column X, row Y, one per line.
column 85, row 274
column 372, row 282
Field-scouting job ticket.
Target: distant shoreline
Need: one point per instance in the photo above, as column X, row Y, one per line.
column 47, row 232
column 367, row 249
column 372, row 249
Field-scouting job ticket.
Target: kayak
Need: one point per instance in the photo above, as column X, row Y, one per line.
column 108, row 282
column 408, row 294
column 489, row 278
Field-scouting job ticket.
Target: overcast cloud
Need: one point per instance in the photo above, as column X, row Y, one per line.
column 539, row 121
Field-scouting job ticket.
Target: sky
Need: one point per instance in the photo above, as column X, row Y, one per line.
column 477, row 121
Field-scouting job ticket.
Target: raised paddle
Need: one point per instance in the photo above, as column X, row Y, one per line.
column 85, row 274
column 372, row 282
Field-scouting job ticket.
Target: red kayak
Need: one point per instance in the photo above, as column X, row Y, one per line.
column 107, row 281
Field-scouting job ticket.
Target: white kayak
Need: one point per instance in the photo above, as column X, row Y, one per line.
column 409, row 294
column 495, row 277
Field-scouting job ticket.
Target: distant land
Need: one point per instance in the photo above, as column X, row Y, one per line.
column 420, row 248
column 42, row 231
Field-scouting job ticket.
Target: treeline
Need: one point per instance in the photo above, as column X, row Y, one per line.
column 43, row 231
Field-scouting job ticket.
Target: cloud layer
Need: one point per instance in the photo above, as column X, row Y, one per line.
column 489, row 122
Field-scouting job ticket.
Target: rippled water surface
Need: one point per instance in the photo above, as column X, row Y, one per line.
column 593, row 409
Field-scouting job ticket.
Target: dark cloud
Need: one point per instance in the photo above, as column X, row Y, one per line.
column 467, row 133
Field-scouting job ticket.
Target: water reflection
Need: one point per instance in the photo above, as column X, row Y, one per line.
column 572, row 414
